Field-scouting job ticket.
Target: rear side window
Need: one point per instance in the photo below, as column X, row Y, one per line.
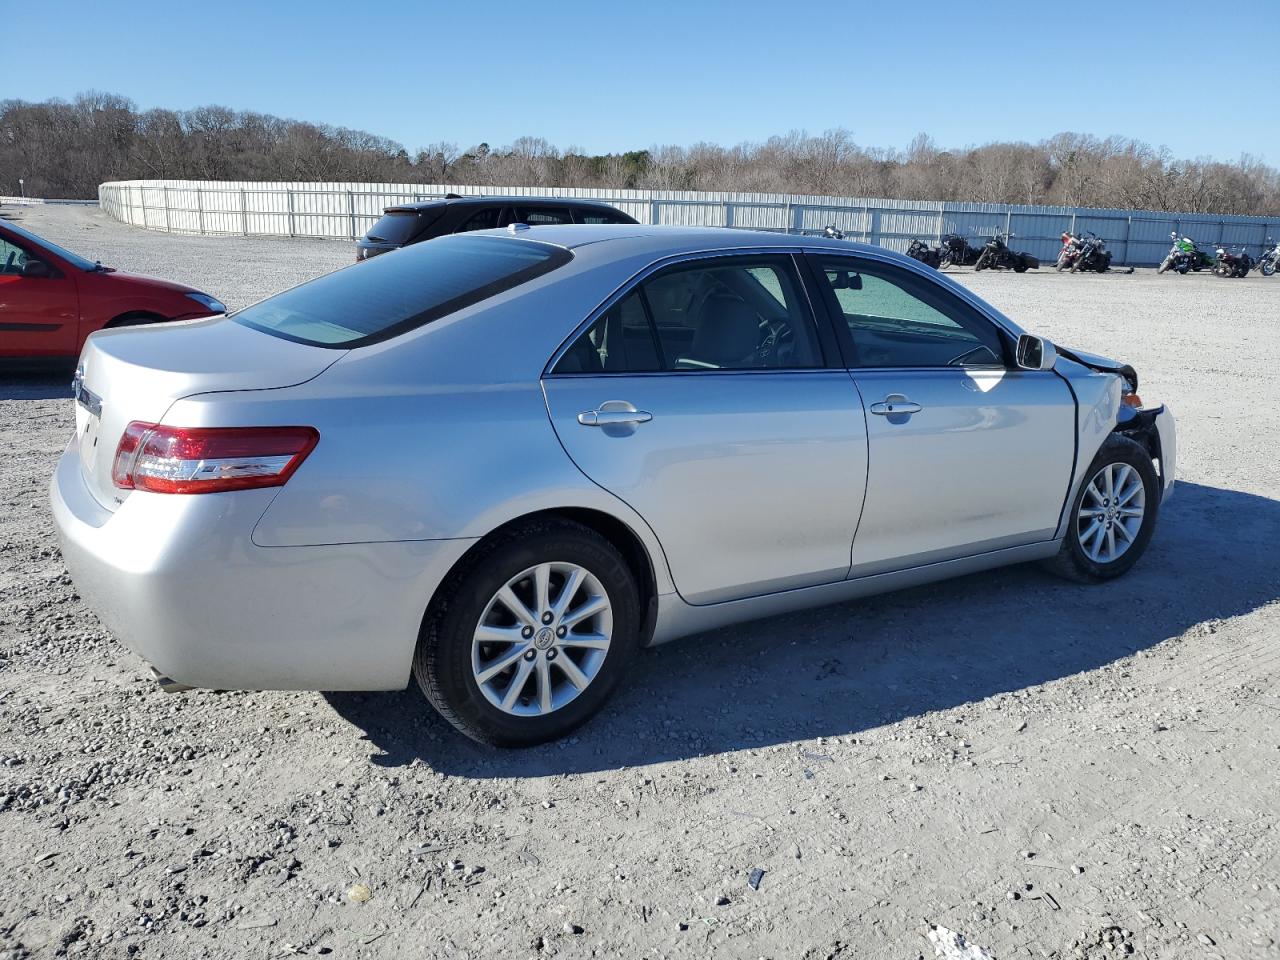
column 383, row 297
column 486, row 219
column 736, row 313
column 400, row 227
column 535, row 216
column 590, row 215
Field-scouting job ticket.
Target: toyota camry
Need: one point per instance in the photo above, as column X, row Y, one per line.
column 500, row 463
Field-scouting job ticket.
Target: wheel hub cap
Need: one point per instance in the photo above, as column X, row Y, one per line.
column 542, row 639
column 1111, row 512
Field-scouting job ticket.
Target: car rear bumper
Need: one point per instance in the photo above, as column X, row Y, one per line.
column 179, row 581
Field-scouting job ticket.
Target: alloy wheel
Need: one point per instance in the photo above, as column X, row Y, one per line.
column 1111, row 512
column 542, row 639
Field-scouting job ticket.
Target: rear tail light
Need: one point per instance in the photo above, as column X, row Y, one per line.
column 208, row 459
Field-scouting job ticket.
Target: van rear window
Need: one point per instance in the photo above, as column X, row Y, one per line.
column 381, row 298
column 401, row 226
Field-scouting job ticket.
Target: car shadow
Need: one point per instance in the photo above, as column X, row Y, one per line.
column 48, row 382
column 844, row 669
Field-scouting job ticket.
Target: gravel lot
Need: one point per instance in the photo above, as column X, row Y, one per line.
column 1053, row 770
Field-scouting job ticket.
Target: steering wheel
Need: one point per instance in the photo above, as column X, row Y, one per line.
column 773, row 336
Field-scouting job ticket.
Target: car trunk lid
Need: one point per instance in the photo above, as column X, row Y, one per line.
column 137, row 373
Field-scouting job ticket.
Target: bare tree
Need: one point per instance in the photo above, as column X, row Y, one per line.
column 65, row 149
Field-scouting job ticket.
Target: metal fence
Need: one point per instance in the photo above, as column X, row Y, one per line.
column 347, row 210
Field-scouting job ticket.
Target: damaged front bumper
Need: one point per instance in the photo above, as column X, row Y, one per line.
column 1154, row 430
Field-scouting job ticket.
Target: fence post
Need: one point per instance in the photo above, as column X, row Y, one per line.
column 1128, row 232
column 244, row 214
column 142, row 199
column 351, row 212
column 200, row 209
column 653, row 211
column 288, row 192
column 164, row 193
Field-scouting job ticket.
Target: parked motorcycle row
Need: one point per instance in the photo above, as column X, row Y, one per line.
column 1084, row 253
column 956, row 251
column 1185, row 256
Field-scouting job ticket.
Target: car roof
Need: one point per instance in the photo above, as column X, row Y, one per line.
column 477, row 201
column 620, row 240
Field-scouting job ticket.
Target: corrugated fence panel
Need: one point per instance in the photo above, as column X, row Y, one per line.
column 347, row 210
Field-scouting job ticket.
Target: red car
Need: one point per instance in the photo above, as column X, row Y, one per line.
column 52, row 299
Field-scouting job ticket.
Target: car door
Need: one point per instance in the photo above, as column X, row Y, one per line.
column 703, row 397
column 967, row 453
column 39, row 314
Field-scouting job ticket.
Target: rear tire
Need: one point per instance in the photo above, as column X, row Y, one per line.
column 1102, row 515
column 453, row 652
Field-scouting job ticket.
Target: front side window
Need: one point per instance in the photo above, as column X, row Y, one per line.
column 12, row 257
column 896, row 319
column 739, row 313
column 387, row 296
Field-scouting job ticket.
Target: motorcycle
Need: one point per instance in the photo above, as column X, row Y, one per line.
column 1093, row 255
column 955, row 251
column 1184, row 255
column 1234, row 263
column 996, row 255
column 919, row 250
column 1269, row 261
column 1069, row 253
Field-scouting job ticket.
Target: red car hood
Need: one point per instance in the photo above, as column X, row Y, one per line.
column 138, row 278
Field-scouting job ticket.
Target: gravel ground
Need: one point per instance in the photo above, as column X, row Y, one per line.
column 1052, row 770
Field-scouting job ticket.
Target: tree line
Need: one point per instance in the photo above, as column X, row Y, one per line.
column 65, row 149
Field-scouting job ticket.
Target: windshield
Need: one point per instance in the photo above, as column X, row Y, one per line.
column 72, row 258
column 386, row 296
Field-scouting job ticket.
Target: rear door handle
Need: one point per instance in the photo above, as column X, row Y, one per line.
column 895, row 403
column 613, row 412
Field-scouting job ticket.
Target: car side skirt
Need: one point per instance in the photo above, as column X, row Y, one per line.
column 676, row 618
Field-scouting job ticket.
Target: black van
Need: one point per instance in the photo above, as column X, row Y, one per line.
column 408, row 223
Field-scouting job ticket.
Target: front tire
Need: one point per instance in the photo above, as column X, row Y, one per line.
column 981, row 263
column 529, row 638
column 1267, row 268
column 1112, row 516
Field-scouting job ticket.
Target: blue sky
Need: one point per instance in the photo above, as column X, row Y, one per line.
column 616, row 76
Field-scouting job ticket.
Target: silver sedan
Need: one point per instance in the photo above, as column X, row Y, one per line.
column 501, row 463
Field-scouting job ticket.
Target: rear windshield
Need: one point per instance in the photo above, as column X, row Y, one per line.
column 381, row 298
column 400, row 226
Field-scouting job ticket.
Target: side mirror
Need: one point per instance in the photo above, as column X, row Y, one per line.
column 36, row 268
column 1035, row 353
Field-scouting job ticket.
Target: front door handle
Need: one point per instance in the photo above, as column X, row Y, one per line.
column 895, row 403
column 613, row 413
